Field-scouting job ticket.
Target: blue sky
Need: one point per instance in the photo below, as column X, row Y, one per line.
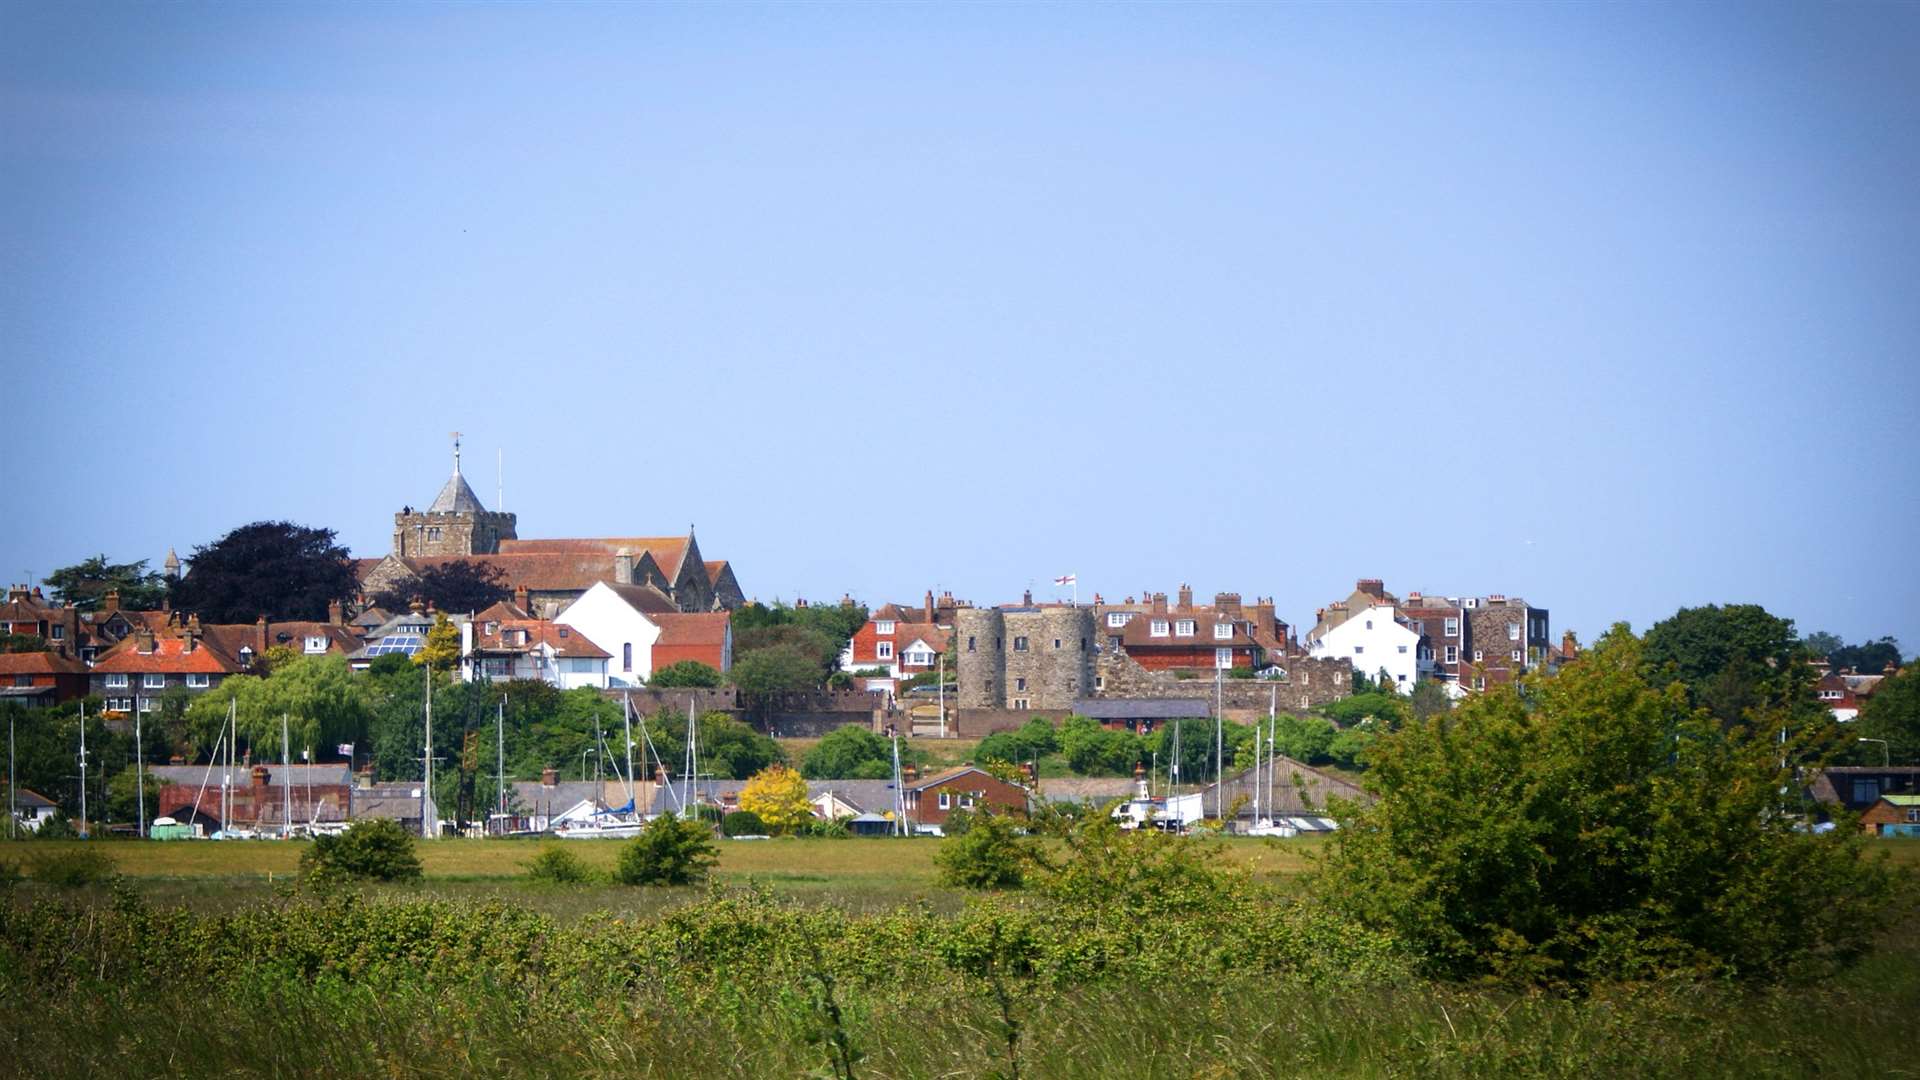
column 1613, row 307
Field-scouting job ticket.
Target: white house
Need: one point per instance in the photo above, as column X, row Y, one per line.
column 1373, row 639
column 641, row 629
column 531, row 649
column 34, row 809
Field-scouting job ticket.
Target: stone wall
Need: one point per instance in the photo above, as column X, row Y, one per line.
column 979, row 723
column 1309, row 681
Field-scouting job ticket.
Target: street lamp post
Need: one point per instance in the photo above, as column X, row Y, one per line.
column 1886, row 755
column 583, row 763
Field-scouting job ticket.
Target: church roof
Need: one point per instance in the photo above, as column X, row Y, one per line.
column 456, row 498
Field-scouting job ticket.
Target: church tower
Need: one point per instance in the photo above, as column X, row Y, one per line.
column 455, row 524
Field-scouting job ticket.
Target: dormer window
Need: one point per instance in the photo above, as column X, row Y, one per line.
column 1183, row 628
column 1158, row 628
column 316, row 643
column 883, row 626
column 1222, row 631
column 493, row 627
column 1116, row 618
column 246, row 655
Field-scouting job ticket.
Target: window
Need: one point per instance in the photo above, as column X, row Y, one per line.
column 316, row 643
column 1056, row 644
column 23, row 680
column 1403, row 650
column 945, row 799
column 1516, row 656
column 966, row 802
column 1158, row 628
column 1358, row 649
column 1479, row 682
column 1223, row 658
column 883, row 650
column 1020, row 644
column 883, row 626
column 1183, row 628
column 1223, row 631
column 1453, row 628
column 433, row 532
column 1116, row 618
column 1453, row 654
column 1478, row 656
column 199, row 682
column 153, row 681
column 493, row 627
column 1019, row 684
column 1099, row 682
column 969, row 647
column 626, row 657
column 246, row 656
column 1913, row 815
column 1418, row 626
column 1369, row 624
column 1020, row 703
column 1866, row 791
column 1513, row 631
column 919, row 658
column 59, row 633
column 117, row 682
column 146, row 704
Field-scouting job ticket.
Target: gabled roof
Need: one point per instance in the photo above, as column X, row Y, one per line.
column 502, row 611
column 169, row 656
column 33, row 800
column 714, row 570
column 40, row 663
column 949, row 774
column 456, row 497
column 667, row 551
column 564, row 640
column 645, row 599
column 703, row 628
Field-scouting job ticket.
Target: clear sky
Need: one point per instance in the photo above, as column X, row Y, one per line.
column 1612, row 307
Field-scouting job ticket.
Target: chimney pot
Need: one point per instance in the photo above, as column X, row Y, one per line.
column 550, row 776
column 113, row 600
column 1026, row 598
column 1186, row 597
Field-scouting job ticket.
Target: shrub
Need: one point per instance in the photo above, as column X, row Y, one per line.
column 686, row 673
column 57, row 827
column 377, row 849
column 71, row 868
column 558, row 866
column 1590, row 826
column 743, row 823
column 669, row 851
column 989, row 855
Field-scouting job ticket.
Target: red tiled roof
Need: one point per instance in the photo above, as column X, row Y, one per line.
column 169, row 656
column 714, row 570
column 502, row 611
column 565, row 640
column 667, row 551
column 40, row 663
column 704, row 628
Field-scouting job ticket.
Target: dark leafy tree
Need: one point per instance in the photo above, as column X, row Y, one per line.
column 779, row 669
column 460, row 586
column 990, row 854
column 728, row 748
column 86, row 584
column 1893, row 714
column 1871, row 658
column 272, row 568
column 854, row 753
column 669, row 851
column 373, row 849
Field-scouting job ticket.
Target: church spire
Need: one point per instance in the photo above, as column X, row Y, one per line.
column 456, row 453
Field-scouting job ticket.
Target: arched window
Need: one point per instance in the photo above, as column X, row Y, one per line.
column 626, row 657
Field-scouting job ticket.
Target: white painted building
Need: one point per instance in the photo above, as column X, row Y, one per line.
column 641, row 629
column 1374, row 640
column 531, row 649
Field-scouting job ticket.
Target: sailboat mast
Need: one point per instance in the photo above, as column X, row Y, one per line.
column 500, row 759
column 626, row 718
column 85, row 830
column 429, row 813
column 139, row 779
column 286, row 783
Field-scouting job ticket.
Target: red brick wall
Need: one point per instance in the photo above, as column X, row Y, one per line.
column 987, row 792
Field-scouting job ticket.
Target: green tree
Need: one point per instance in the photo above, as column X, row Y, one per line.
column 1429, row 698
column 1590, row 825
column 374, row 849
column 323, row 703
column 123, row 796
column 1893, row 714
column 728, row 748
column 86, row 584
column 854, row 753
column 1871, row 658
column 989, row 854
column 669, row 851
column 1304, row 738
column 686, row 673
column 777, row 669
column 271, row 568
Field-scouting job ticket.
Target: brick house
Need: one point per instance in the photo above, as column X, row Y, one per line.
column 1893, row 815
column 27, row 614
column 522, row 648
column 1466, row 642
column 133, row 674
column 1846, row 692
column 1859, row 787
column 42, row 678
column 968, row 787
column 903, row 641
column 1226, row 634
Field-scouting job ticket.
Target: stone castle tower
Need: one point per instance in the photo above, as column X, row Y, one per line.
column 1024, row 657
column 456, row 523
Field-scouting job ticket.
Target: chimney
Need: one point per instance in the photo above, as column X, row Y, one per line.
column 549, row 777
column 929, row 617
column 910, row 773
column 143, row 640
column 113, row 600
column 623, row 567
column 1497, row 598
column 1026, row 598
column 520, row 597
column 1186, row 597
column 1227, row 603
column 364, row 778
column 1159, row 603
column 1569, row 647
column 260, row 632
column 260, row 779
column 1098, row 599
column 1263, row 613
column 417, row 606
column 1371, row 586
column 1026, row 769
column 336, row 613
column 1413, row 598
column 192, row 635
